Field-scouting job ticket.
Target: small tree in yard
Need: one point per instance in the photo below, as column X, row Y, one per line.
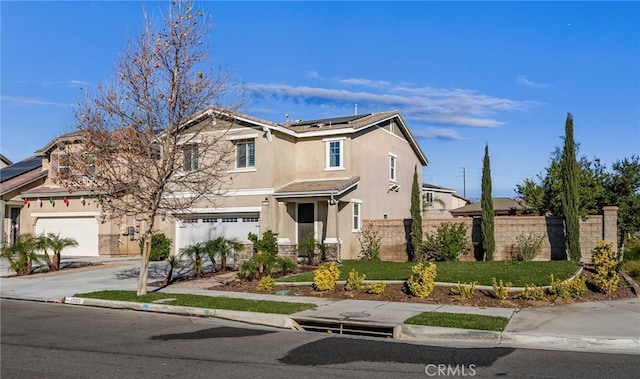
column 570, row 196
column 149, row 145
column 22, row 254
column 446, row 243
column 416, row 218
column 488, row 215
column 56, row 244
column 222, row 248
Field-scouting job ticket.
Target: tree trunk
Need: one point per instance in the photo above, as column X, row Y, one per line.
column 56, row 261
column 223, row 262
column 144, row 265
column 47, row 259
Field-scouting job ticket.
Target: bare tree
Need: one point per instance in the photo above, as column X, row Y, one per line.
column 150, row 144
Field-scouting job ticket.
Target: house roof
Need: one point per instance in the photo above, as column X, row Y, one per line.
column 20, row 168
column 23, row 179
column 501, row 205
column 320, row 187
column 427, row 186
column 69, row 137
column 5, row 160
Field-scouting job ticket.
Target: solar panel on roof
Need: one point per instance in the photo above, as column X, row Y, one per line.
column 20, row 168
column 330, row 121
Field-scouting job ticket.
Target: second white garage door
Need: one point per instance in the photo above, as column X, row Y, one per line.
column 197, row 229
column 82, row 229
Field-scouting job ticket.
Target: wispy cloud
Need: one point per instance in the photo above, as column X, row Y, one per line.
column 437, row 133
column 440, row 106
column 527, row 83
column 32, row 101
column 67, row 83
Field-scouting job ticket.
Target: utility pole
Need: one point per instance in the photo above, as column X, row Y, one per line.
column 464, row 182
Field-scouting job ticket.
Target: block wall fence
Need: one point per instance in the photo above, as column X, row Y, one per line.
column 395, row 234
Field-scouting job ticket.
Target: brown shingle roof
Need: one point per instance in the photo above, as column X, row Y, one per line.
column 322, row 187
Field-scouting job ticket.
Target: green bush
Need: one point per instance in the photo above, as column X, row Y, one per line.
column 500, row 289
column 268, row 244
column 22, row 254
column 605, row 263
column 568, row 289
column 447, row 243
column 376, row 288
column 325, row 277
column 266, row 284
column 355, row 280
column 422, row 280
column 266, row 264
column 526, row 248
column 531, row 292
column 632, row 251
column 160, row 247
column 370, row 242
column 464, row 290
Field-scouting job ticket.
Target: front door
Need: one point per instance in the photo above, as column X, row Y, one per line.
column 306, row 217
column 14, row 214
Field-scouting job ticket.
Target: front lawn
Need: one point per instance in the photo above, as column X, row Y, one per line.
column 459, row 320
column 200, row 301
column 518, row 273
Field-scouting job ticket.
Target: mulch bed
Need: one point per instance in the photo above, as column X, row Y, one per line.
column 440, row 295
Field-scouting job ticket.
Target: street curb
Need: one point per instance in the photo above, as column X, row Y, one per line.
column 266, row 319
column 442, row 334
column 584, row 343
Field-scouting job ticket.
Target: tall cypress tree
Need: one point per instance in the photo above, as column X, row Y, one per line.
column 416, row 218
column 486, row 202
column 570, row 197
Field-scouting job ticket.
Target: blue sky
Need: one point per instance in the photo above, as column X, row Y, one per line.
column 462, row 74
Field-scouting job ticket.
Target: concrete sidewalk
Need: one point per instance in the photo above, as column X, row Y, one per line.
column 611, row 326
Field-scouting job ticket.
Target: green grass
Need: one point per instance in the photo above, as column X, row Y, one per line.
column 200, row 301
column 633, row 269
column 518, row 273
column 459, row 320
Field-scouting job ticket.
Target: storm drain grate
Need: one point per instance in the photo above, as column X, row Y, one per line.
column 345, row 327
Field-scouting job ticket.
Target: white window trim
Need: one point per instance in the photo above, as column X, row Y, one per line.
column 356, row 228
column 247, row 168
column 191, row 147
column 241, row 137
column 393, row 175
column 327, row 141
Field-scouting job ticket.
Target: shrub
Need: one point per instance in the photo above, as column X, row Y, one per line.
column 370, row 242
column 500, row 290
column 605, row 262
column 325, row 277
column 376, row 288
column 266, row 284
column 464, row 290
column 266, row 264
column 307, row 248
column 422, row 280
column 160, row 247
column 526, row 248
column 447, row 243
column 632, row 250
column 568, row 289
column 531, row 292
column 22, row 254
column 354, row 282
column 268, row 244
column 633, row 268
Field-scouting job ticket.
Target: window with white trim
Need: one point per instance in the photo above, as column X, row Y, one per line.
column 356, row 207
column 190, row 158
column 334, row 154
column 63, row 165
column 245, row 153
column 393, row 167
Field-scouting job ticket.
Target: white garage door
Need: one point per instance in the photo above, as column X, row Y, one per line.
column 82, row 229
column 197, row 229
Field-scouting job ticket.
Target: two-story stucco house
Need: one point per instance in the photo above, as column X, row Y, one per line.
column 321, row 176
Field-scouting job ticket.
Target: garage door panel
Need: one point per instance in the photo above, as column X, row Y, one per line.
column 83, row 229
column 203, row 229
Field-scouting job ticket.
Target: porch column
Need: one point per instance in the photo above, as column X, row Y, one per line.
column 333, row 231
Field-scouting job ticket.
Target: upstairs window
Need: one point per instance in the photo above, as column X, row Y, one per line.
column 427, row 198
column 245, row 154
column 89, row 164
column 393, row 167
column 63, row 166
column 335, row 154
column 190, row 157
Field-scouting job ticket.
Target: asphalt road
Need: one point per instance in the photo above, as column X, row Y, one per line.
column 44, row 340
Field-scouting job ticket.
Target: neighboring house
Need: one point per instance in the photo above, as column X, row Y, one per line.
column 502, row 206
column 321, row 177
column 438, row 201
column 73, row 213
column 14, row 179
column 4, row 161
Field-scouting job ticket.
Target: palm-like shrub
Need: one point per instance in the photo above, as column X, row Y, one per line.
column 56, row 244
column 194, row 254
column 222, row 248
column 22, row 254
